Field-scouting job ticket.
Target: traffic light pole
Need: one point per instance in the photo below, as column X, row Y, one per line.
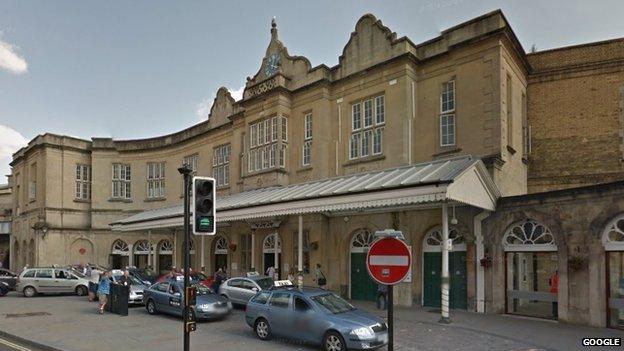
column 186, row 173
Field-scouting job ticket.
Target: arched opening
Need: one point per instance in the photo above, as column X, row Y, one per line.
column 31, row 253
column 142, row 249
column 165, row 256
column 120, row 254
column 532, row 276
column 362, row 287
column 220, row 252
column 269, row 253
column 432, row 269
column 613, row 241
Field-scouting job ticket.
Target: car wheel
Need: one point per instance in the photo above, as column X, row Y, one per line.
column 334, row 342
column 81, row 290
column 262, row 329
column 151, row 307
column 29, row 291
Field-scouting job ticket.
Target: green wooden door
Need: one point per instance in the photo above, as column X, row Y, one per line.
column 432, row 268
column 432, row 274
column 362, row 286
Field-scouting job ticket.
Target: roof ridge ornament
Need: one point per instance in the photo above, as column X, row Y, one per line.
column 273, row 28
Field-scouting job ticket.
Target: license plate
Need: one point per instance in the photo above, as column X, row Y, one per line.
column 383, row 338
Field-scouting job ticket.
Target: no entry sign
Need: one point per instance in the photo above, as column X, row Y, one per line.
column 388, row 261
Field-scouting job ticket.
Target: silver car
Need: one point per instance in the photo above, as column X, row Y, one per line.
column 51, row 280
column 137, row 288
column 241, row 289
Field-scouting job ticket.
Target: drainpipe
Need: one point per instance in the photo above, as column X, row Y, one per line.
column 478, row 231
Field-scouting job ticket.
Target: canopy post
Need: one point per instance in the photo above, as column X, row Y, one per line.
column 445, row 266
column 300, row 253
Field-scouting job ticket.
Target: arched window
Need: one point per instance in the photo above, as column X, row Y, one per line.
column 268, row 246
column 529, row 235
column 142, row 247
column 166, row 247
column 120, row 248
column 221, row 245
column 433, row 240
column 613, row 235
column 362, row 240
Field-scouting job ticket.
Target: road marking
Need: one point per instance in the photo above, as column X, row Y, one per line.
column 388, row 260
column 14, row 346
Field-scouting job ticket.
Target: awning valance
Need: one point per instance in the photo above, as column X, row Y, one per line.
column 461, row 179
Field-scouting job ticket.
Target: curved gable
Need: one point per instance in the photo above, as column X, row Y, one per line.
column 222, row 108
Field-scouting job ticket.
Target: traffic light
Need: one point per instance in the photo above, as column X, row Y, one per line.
column 203, row 200
column 191, row 295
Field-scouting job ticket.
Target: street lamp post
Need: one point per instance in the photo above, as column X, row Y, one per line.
column 186, row 173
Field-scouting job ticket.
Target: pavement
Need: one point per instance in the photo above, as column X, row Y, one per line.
column 71, row 323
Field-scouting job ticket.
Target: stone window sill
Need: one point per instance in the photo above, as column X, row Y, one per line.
column 446, row 151
column 275, row 169
column 364, row 160
column 112, row 199
column 155, row 199
column 84, row 201
column 304, row 169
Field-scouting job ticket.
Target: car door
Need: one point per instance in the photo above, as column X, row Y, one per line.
column 62, row 282
column 159, row 294
column 248, row 290
column 234, row 290
column 174, row 299
column 8, row 277
column 44, row 278
column 279, row 314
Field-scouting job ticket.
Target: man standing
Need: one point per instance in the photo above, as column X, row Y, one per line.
column 554, row 289
column 321, row 281
column 103, row 291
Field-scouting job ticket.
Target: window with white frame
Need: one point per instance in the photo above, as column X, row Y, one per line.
column 191, row 161
column 307, row 143
column 83, row 182
column 121, row 181
column 155, row 180
column 368, row 118
column 221, row 165
column 263, row 144
column 447, row 114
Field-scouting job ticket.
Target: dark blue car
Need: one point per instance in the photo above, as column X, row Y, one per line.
column 316, row 316
column 168, row 297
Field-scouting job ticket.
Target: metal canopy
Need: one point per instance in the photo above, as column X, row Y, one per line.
column 460, row 179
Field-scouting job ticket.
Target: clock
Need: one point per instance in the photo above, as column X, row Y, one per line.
column 272, row 63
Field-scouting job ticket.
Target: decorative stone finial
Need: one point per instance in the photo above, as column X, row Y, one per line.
column 273, row 28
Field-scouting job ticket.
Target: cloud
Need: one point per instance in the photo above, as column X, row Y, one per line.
column 203, row 108
column 10, row 141
column 10, row 60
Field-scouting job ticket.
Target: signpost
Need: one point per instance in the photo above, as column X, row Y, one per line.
column 388, row 262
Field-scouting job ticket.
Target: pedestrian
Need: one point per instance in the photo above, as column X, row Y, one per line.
column 321, row 281
column 553, row 281
column 382, row 296
column 218, row 279
column 271, row 272
column 291, row 274
column 103, row 291
column 125, row 278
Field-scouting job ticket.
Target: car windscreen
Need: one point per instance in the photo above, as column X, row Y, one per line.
column 264, row 283
column 202, row 290
column 333, row 303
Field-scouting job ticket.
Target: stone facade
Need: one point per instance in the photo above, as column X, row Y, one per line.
column 508, row 108
column 6, row 207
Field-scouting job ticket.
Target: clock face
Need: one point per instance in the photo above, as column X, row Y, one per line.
column 271, row 64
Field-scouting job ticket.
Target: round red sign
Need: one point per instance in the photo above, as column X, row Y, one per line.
column 388, row 261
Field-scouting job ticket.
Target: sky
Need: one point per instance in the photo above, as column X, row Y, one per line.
column 137, row 69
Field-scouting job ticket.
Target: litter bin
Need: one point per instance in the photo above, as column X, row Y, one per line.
column 118, row 299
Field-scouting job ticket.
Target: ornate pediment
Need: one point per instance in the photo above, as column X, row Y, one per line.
column 222, row 108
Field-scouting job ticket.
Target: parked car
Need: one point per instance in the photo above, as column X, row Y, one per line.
column 137, row 288
column 51, row 280
column 316, row 316
column 146, row 276
column 167, row 297
column 8, row 277
column 241, row 289
column 195, row 277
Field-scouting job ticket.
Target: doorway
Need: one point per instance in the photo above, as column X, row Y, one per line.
column 269, row 245
column 363, row 287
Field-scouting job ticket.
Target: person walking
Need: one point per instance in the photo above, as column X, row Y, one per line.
column 321, row 281
column 291, row 275
column 271, row 272
column 382, row 296
column 103, row 291
column 218, row 279
column 553, row 281
column 125, row 278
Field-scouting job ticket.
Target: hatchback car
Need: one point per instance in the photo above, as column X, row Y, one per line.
column 137, row 288
column 8, row 277
column 167, row 297
column 51, row 280
column 316, row 316
column 240, row 290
